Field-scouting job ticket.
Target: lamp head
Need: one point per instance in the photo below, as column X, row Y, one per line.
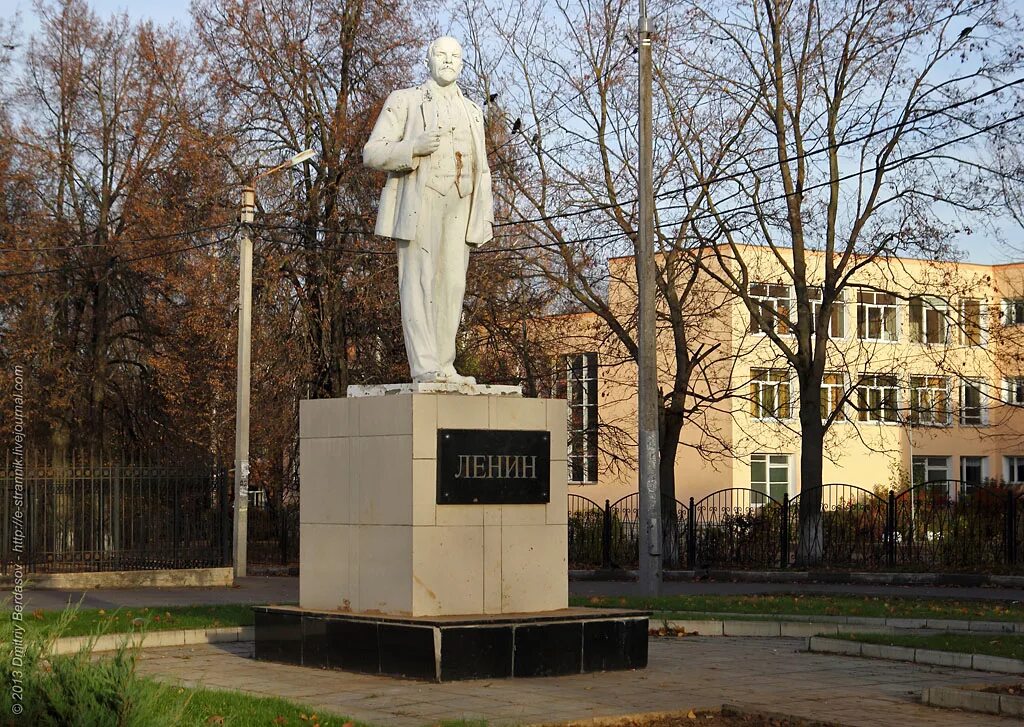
column 301, row 157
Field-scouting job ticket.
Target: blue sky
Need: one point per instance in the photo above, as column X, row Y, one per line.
column 979, row 247
column 161, row 11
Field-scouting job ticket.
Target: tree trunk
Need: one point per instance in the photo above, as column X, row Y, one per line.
column 812, row 434
column 671, row 427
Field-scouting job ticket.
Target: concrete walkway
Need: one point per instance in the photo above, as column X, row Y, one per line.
column 766, row 674
column 285, row 589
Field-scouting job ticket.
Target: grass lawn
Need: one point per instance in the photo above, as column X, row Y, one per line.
column 205, row 707
column 814, row 605
column 89, row 620
column 1008, row 645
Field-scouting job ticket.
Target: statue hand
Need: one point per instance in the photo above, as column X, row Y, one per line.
column 426, row 143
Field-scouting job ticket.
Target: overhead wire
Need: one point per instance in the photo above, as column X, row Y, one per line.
column 586, row 210
column 119, row 260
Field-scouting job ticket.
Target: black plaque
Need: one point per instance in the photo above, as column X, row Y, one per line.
column 493, row 467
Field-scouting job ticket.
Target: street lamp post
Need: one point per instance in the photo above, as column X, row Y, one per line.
column 240, row 532
column 647, row 379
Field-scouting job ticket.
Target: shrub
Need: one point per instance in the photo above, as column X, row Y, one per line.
column 74, row 689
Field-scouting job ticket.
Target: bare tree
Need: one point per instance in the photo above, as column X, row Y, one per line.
column 844, row 133
column 856, row 130
column 563, row 80
column 103, row 164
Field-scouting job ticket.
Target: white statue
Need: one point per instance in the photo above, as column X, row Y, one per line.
column 436, row 204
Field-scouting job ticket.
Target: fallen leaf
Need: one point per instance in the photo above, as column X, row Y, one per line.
column 691, row 715
column 215, row 719
column 280, row 720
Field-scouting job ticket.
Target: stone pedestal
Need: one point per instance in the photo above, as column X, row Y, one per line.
column 392, row 582
column 375, row 541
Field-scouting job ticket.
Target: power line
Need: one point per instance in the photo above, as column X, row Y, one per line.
column 579, row 94
column 591, row 238
column 117, row 260
column 769, row 165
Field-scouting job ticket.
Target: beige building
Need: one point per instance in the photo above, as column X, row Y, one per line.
column 924, row 367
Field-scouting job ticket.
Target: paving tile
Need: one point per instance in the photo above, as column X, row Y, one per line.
column 682, row 674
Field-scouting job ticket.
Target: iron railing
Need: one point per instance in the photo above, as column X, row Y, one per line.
column 273, row 536
column 623, row 518
column 945, row 525
column 91, row 513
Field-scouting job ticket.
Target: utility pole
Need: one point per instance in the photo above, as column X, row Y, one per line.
column 240, row 532
column 647, row 379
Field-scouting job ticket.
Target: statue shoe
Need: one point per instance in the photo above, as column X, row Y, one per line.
column 457, row 378
column 430, row 377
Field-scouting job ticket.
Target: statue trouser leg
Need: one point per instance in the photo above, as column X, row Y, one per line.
column 432, row 281
column 452, row 262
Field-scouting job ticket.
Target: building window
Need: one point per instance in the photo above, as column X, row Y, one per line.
column 833, row 388
column 876, row 316
column 1013, row 311
column 929, row 400
column 972, row 322
column 769, row 475
column 877, row 399
column 1014, row 470
column 973, row 473
column 973, row 412
column 580, row 381
column 769, row 394
column 934, row 471
column 1013, row 391
column 772, row 304
column 837, row 316
column 928, row 320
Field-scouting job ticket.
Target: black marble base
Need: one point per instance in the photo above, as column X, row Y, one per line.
column 449, row 648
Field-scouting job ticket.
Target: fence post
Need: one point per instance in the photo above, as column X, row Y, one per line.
column 176, row 529
column 225, row 521
column 6, row 493
column 691, row 537
column 606, row 536
column 890, row 528
column 116, row 510
column 784, row 535
column 1011, row 530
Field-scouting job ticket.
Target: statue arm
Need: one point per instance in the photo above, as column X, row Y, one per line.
column 387, row 150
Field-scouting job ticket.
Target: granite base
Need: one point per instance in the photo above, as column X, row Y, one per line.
column 450, row 648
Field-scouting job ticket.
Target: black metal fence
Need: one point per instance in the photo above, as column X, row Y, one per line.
column 88, row 513
column 91, row 514
column 273, row 542
column 943, row 525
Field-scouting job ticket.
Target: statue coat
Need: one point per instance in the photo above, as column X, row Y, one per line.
column 406, row 114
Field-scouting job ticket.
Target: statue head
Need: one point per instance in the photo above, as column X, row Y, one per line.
column 444, row 58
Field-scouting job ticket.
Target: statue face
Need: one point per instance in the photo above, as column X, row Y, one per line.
column 445, row 60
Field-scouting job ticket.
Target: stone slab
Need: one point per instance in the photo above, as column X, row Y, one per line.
column 158, row 578
column 441, row 649
column 435, row 388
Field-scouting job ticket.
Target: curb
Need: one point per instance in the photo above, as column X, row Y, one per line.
column 976, row 662
column 795, row 576
column 804, row 626
column 1000, row 627
column 152, row 639
column 972, row 699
